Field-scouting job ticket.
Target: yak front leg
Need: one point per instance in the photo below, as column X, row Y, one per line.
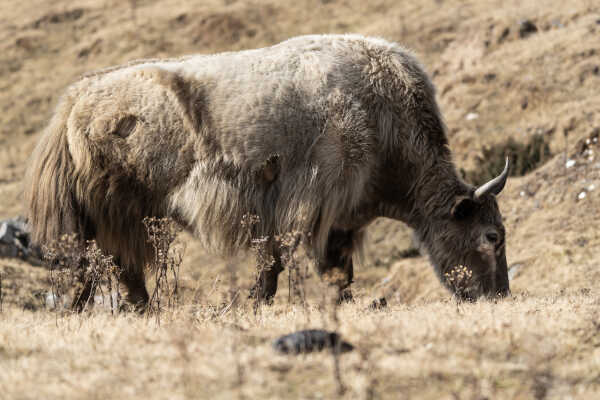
column 86, row 288
column 265, row 287
column 135, row 284
column 84, row 295
column 337, row 268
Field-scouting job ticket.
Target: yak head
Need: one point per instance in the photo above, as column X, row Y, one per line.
column 466, row 242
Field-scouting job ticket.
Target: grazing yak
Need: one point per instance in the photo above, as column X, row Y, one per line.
column 318, row 134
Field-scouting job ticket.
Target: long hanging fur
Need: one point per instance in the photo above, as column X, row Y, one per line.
column 49, row 193
column 144, row 140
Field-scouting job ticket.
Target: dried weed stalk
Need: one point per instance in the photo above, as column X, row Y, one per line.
column 289, row 244
column 64, row 259
column 232, row 308
column 337, row 374
column 459, row 279
column 297, row 266
column 367, row 367
column 329, row 302
column 264, row 262
column 84, row 269
column 166, row 263
column 262, row 253
column 102, row 273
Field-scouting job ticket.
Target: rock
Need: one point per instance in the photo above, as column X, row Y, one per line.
column 514, row 270
column 527, row 28
column 489, row 77
column 15, row 241
column 311, row 340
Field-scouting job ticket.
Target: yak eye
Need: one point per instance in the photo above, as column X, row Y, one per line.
column 492, row 237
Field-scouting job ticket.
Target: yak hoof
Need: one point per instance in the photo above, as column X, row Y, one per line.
column 83, row 297
column 139, row 307
column 345, row 296
column 261, row 294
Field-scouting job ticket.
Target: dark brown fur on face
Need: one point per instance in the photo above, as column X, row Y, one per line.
column 319, row 134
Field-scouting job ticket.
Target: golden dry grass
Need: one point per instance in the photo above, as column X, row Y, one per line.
column 527, row 347
column 543, row 343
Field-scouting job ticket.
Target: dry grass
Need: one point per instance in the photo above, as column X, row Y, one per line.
column 213, row 344
column 545, row 347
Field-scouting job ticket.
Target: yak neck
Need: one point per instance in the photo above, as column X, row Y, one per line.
column 421, row 193
column 436, row 189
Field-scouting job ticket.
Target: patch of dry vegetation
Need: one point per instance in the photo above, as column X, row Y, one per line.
column 525, row 347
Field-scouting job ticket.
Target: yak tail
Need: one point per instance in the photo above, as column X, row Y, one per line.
column 50, row 181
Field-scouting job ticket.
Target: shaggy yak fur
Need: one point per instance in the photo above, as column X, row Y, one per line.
column 318, row 134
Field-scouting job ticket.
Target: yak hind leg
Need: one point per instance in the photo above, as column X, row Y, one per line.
column 86, row 287
column 137, row 295
column 84, row 296
column 265, row 287
column 337, row 268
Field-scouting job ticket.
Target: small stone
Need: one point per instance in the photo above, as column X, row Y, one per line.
column 489, row 77
column 51, row 301
column 582, row 195
column 15, row 241
column 527, row 28
column 471, row 116
column 591, row 187
column 570, row 163
column 513, row 270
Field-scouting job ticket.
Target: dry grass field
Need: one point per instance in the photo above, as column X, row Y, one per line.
column 494, row 83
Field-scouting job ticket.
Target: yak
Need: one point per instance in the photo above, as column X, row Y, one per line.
column 319, row 134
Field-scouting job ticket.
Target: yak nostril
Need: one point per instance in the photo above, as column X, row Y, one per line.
column 492, row 237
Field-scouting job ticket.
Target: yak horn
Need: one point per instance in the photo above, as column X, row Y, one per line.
column 494, row 186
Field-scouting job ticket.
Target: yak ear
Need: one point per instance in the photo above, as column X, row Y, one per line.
column 463, row 207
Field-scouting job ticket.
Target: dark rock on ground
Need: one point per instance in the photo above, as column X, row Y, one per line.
column 310, row 340
column 527, row 28
column 15, row 241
